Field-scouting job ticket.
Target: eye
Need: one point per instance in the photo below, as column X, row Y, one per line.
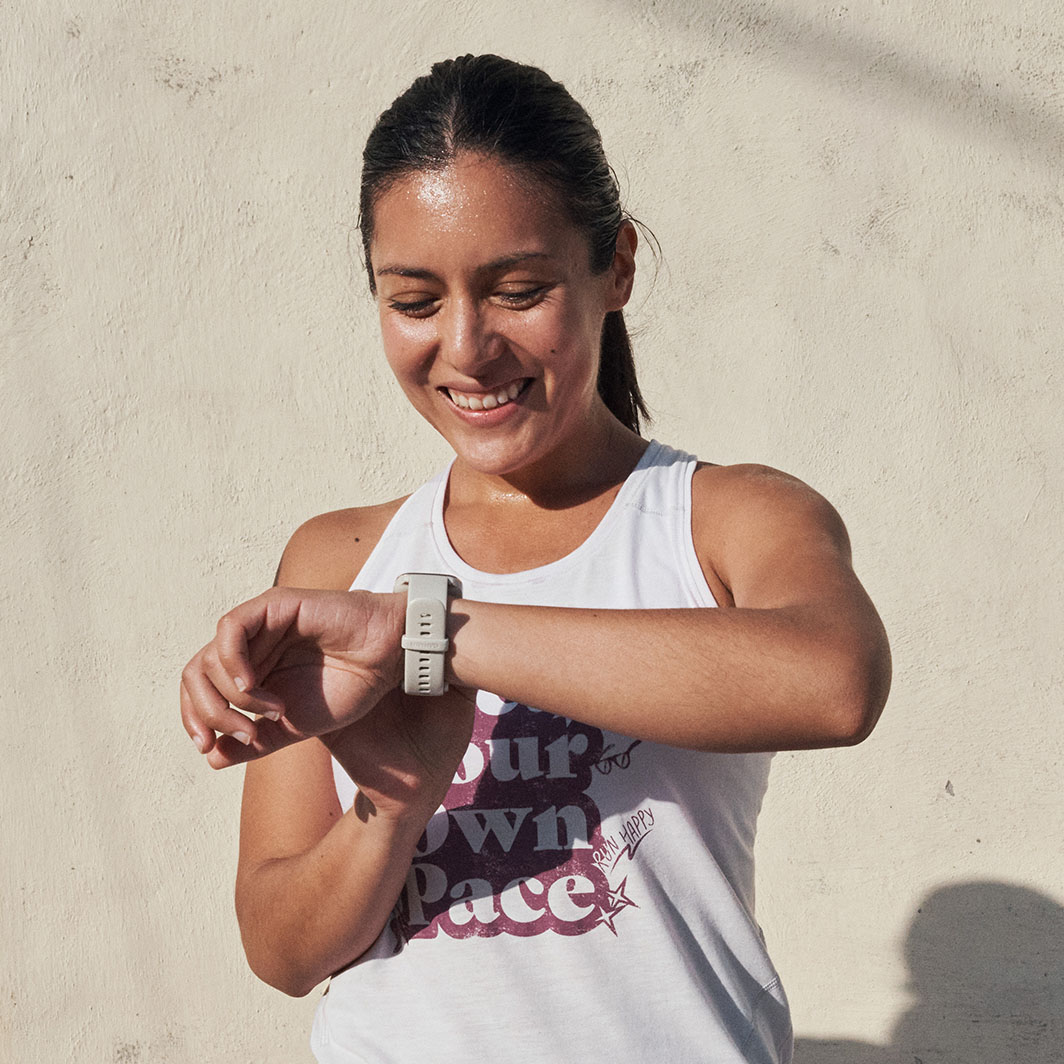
column 522, row 298
column 413, row 308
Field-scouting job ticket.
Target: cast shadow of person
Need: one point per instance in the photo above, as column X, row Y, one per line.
column 986, row 963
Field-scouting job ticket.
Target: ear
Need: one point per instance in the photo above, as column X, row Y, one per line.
column 622, row 272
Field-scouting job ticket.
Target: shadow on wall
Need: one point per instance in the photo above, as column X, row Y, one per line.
column 1016, row 110
column 986, row 963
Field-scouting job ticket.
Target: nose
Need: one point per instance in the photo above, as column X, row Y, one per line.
column 466, row 339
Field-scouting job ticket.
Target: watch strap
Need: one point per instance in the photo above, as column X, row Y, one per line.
column 425, row 640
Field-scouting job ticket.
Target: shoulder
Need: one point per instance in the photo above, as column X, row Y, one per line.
column 749, row 492
column 749, row 519
column 329, row 550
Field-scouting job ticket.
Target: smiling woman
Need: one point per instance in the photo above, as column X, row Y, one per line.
column 553, row 857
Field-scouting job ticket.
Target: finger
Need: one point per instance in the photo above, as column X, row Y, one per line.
column 231, row 649
column 197, row 731
column 209, row 706
column 264, row 620
column 254, row 700
column 228, row 752
column 271, row 736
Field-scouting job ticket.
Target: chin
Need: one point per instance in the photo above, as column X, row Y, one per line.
column 494, row 458
column 490, row 462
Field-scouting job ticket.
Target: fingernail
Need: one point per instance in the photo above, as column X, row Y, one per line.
column 243, row 737
column 240, row 683
column 273, row 714
column 199, row 741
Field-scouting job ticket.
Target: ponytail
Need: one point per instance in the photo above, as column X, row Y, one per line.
column 617, row 384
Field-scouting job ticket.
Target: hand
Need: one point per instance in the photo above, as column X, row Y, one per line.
column 310, row 662
column 404, row 753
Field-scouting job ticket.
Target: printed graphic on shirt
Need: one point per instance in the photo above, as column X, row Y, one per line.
column 518, row 847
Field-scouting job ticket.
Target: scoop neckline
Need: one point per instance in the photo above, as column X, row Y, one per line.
column 464, row 571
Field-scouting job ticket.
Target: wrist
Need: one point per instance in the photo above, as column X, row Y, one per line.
column 394, row 605
column 457, row 619
column 398, row 826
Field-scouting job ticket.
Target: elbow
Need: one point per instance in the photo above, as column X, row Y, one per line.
column 851, row 725
column 858, row 693
column 292, row 985
column 271, row 956
column 281, row 973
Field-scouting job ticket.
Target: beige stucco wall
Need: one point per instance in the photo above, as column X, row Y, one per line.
column 862, row 283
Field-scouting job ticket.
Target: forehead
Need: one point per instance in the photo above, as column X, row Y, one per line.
column 474, row 206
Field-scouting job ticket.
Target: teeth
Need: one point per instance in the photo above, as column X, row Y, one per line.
column 488, row 401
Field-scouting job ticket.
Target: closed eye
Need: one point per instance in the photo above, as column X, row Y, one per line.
column 522, row 298
column 413, row 308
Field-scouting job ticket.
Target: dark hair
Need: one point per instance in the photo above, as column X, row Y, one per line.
column 518, row 114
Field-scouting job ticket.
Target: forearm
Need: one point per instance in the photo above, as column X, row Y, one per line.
column 305, row 916
column 713, row 679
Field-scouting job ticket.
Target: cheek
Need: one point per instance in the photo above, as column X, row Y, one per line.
column 571, row 347
column 403, row 343
column 566, row 328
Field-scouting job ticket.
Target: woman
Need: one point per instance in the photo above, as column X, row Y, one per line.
column 552, row 859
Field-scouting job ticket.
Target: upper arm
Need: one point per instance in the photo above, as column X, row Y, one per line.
column 767, row 541
column 289, row 801
column 767, row 538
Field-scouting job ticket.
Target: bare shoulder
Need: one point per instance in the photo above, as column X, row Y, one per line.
column 756, row 493
column 329, row 550
column 750, row 521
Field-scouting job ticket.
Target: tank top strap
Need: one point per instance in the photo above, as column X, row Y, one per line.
column 655, row 519
column 660, row 483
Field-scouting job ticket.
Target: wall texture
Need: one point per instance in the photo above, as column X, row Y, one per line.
column 862, row 282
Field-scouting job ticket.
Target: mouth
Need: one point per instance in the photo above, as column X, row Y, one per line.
column 489, row 400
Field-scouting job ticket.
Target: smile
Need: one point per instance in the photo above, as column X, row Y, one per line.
column 488, row 400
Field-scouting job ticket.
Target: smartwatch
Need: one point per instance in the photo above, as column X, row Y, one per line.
column 425, row 641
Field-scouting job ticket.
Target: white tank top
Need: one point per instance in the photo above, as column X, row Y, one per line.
column 581, row 895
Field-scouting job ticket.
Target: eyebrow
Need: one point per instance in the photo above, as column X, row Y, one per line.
column 495, row 266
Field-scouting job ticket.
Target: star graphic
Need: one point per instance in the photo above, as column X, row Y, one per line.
column 616, row 900
column 606, row 917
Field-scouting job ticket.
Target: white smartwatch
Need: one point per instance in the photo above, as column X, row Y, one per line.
column 425, row 640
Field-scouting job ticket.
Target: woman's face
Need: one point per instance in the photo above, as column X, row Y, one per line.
column 490, row 315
